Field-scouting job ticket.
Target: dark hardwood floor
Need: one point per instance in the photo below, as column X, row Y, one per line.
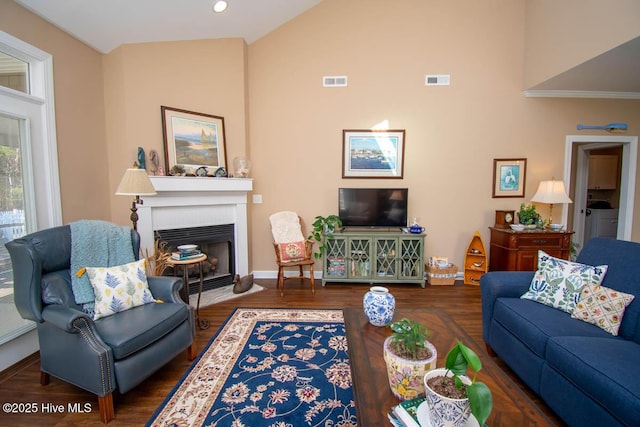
column 21, row 382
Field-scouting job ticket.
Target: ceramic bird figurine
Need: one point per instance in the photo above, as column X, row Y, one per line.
column 142, row 162
column 153, row 159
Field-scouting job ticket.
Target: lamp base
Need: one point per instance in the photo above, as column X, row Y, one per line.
column 134, row 212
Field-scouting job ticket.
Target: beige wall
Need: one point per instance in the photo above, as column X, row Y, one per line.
column 295, row 125
column 563, row 34
column 79, row 112
column 205, row 76
column 453, row 133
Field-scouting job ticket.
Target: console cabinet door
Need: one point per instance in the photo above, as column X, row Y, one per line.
column 335, row 259
column 359, row 256
column 386, row 256
column 411, row 258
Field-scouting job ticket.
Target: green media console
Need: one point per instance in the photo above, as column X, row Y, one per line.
column 374, row 256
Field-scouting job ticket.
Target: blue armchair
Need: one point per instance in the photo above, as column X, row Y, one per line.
column 117, row 352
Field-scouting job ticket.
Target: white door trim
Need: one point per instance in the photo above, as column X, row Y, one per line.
column 627, row 179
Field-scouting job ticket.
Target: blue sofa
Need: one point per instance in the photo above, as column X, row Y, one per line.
column 587, row 376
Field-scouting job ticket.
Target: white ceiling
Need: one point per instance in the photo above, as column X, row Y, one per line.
column 107, row 24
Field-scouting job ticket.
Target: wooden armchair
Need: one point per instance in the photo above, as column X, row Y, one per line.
column 291, row 247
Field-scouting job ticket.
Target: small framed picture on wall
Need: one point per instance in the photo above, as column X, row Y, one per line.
column 509, row 177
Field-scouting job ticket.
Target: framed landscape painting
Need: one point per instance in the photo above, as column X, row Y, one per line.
column 193, row 140
column 509, row 177
column 372, row 153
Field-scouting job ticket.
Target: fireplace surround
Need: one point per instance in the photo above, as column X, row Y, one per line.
column 192, row 202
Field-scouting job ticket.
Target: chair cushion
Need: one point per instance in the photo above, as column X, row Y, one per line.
column 606, row 369
column 131, row 330
column 533, row 324
column 292, row 251
column 119, row 288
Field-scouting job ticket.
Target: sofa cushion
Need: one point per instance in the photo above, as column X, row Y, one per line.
column 131, row 330
column 605, row 369
column 119, row 288
column 603, row 307
column 558, row 282
column 534, row 323
column 624, row 270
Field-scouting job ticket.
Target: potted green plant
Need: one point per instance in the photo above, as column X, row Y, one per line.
column 408, row 356
column 450, row 387
column 323, row 227
column 527, row 215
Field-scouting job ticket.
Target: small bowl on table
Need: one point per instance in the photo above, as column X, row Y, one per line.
column 556, row 227
column 517, row 227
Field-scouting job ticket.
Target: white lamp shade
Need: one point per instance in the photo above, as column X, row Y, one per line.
column 551, row 192
column 135, row 182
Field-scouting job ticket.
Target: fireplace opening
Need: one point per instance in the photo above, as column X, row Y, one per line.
column 216, row 241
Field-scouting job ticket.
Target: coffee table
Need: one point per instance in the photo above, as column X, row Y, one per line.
column 373, row 397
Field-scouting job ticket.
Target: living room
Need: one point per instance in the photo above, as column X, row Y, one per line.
column 279, row 115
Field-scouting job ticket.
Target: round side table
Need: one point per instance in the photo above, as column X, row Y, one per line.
column 185, row 264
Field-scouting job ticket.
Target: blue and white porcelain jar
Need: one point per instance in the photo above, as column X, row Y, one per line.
column 379, row 306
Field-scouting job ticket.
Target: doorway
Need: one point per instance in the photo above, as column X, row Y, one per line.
column 577, row 152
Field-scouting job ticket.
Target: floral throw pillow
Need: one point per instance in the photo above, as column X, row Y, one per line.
column 603, row 307
column 292, row 251
column 558, row 283
column 119, row 288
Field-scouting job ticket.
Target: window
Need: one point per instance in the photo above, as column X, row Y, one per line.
column 14, row 73
column 29, row 185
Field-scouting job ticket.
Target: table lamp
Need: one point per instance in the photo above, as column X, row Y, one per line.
column 135, row 182
column 551, row 192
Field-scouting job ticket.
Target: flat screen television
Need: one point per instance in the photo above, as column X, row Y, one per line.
column 373, row 207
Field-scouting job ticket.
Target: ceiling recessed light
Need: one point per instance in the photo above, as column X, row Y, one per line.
column 220, row 6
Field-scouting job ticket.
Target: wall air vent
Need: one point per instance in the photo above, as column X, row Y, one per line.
column 437, row 80
column 334, row 81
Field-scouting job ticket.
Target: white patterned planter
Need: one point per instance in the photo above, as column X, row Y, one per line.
column 443, row 411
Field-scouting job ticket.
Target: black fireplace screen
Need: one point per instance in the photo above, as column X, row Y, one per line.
column 216, row 241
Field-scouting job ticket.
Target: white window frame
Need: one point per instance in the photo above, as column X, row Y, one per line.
column 40, row 169
column 45, row 191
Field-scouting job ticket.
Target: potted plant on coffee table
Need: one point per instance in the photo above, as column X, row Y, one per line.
column 323, row 228
column 452, row 396
column 408, row 356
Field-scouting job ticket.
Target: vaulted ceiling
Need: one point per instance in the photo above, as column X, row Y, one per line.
column 105, row 25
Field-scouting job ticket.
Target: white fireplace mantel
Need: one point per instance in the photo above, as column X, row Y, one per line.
column 184, row 202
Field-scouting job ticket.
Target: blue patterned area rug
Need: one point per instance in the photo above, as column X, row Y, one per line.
column 267, row 368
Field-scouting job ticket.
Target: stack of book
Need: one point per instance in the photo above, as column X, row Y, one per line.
column 405, row 414
column 186, row 252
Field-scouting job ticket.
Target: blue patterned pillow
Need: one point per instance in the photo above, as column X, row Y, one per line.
column 558, row 283
column 119, row 288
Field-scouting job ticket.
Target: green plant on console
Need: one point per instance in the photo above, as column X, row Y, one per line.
column 409, row 339
column 527, row 215
column 459, row 359
column 323, row 228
